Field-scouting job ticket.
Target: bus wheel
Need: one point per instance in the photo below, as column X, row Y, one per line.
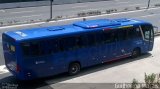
column 136, row 52
column 74, row 68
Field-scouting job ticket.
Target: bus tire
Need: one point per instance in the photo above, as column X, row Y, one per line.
column 74, row 68
column 136, row 52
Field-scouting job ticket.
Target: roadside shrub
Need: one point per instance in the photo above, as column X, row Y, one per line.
column 157, row 5
column 150, row 80
column 137, row 8
column 158, row 80
column 82, row 14
column 108, row 11
column 1, row 23
column 134, row 84
column 126, row 9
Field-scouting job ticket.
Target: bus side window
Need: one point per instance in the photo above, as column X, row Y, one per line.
column 109, row 37
column 31, row 49
column 122, row 34
column 134, row 32
column 99, row 38
column 82, row 41
column 78, row 42
column 43, row 48
column 26, row 49
column 70, row 43
column 67, row 43
column 61, row 44
column 54, row 44
column 34, row 48
column 137, row 32
column 91, row 39
column 48, row 46
column 130, row 33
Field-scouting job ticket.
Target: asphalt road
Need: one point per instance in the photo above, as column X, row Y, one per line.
column 122, row 71
column 30, row 14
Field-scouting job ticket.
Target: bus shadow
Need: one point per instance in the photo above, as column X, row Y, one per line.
column 92, row 69
column 11, row 82
column 44, row 82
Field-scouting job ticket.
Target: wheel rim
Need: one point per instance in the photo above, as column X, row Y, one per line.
column 74, row 69
column 135, row 53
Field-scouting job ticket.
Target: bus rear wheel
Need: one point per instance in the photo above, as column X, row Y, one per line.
column 74, row 68
column 136, row 52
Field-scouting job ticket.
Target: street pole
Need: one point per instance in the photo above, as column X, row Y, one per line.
column 51, row 1
column 148, row 4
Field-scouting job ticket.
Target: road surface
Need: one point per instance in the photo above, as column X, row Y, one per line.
column 41, row 13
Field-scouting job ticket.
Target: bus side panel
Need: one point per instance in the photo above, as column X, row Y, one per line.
column 140, row 44
column 37, row 67
column 102, row 53
column 110, row 51
column 61, row 61
column 81, row 56
column 124, row 48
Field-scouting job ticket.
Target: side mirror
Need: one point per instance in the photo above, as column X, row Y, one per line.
column 155, row 29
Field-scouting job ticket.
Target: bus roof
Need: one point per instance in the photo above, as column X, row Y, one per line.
column 77, row 27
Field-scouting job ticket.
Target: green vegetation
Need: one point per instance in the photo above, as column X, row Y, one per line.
column 134, row 84
column 152, row 81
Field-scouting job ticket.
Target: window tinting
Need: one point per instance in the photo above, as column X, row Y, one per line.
column 122, row 34
column 52, row 46
column 109, row 37
column 68, row 43
column 133, row 32
column 99, row 38
column 72, row 43
column 30, row 49
column 91, row 39
column 26, row 48
column 137, row 32
column 79, row 43
column 34, row 47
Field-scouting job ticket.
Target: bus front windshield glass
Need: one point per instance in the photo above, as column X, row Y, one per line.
column 148, row 32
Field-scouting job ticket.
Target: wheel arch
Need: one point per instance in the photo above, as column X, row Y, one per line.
column 139, row 48
column 75, row 62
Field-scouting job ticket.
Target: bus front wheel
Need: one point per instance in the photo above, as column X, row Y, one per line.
column 74, row 68
column 136, row 52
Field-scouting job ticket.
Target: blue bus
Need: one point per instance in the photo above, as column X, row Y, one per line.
column 46, row 51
